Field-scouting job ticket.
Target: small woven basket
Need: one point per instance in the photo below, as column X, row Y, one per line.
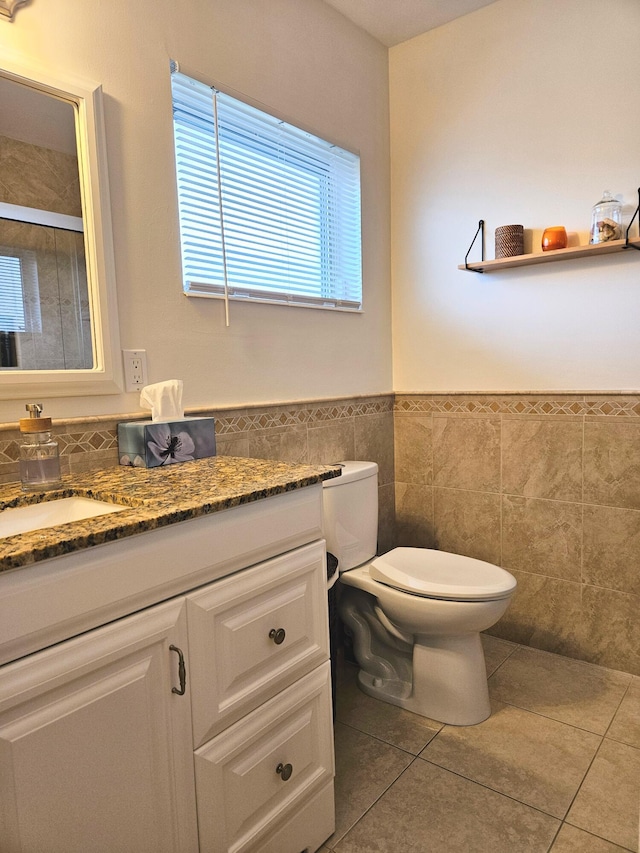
column 509, row 241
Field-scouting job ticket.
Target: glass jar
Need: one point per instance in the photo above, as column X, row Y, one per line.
column 606, row 219
column 39, row 453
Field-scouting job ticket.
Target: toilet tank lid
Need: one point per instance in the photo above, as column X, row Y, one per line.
column 352, row 471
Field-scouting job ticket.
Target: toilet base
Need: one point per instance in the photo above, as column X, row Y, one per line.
column 449, row 681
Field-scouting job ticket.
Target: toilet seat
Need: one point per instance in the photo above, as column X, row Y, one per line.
column 439, row 574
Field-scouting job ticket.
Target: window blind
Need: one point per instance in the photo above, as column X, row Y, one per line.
column 12, row 317
column 267, row 211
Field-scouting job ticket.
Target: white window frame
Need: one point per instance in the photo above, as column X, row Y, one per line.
column 268, row 212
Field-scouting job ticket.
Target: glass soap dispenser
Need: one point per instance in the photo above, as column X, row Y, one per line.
column 606, row 219
column 39, row 453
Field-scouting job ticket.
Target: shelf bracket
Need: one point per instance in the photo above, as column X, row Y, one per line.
column 480, row 229
column 627, row 244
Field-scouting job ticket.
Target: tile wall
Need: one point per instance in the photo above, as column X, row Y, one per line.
column 547, row 487
column 311, row 432
column 38, row 177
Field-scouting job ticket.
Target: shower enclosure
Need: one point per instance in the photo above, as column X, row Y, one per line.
column 45, row 320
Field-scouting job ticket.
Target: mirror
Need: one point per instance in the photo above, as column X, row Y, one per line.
column 58, row 320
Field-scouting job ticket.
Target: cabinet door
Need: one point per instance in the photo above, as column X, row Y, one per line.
column 262, row 770
column 95, row 748
column 254, row 633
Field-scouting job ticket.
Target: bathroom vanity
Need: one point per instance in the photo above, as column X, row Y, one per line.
column 165, row 679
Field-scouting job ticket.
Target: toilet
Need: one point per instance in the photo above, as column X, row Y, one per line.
column 415, row 614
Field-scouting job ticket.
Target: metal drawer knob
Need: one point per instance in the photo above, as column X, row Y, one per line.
column 284, row 771
column 277, row 635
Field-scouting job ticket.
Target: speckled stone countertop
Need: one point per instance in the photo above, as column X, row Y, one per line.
column 153, row 497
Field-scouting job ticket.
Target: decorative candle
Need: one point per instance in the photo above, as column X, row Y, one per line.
column 554, row 238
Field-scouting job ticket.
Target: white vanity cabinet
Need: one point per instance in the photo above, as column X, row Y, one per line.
column 94, row 747
column 200, row 721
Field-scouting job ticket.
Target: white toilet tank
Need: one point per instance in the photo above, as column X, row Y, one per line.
column 350, row 514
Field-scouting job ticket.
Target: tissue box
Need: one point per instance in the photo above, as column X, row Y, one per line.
column 150, row 444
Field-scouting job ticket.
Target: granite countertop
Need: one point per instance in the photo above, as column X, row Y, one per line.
column 153, row 497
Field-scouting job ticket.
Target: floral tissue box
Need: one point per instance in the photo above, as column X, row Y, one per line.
column 150, row 444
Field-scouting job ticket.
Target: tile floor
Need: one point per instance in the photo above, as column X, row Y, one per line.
column 555, row 769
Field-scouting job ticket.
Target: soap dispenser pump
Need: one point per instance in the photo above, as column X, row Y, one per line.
column 39, row 453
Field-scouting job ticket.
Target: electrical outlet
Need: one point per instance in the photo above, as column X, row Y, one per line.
column 135, row 369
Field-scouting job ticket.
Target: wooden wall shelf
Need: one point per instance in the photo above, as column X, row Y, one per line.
column 568, row 254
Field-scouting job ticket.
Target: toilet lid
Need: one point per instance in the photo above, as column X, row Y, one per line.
column 439, row 574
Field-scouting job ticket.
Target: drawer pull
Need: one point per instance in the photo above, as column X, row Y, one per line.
column 182, row 672
column 284, row 771
column 277, row 635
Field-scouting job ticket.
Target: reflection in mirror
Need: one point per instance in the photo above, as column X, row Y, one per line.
column 44, row 301
column 58, row 319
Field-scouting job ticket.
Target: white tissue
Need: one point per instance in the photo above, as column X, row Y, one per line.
column 164, row 399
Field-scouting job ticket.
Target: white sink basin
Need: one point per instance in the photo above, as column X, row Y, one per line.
column 24, row 519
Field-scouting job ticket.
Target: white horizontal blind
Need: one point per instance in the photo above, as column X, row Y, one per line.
column 12, row 317
column 273, row 213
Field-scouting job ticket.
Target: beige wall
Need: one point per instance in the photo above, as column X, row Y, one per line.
column 299, row 58
column 548, row 488
column 522, row 112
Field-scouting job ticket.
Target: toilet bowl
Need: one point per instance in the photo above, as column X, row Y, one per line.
column 415, row 614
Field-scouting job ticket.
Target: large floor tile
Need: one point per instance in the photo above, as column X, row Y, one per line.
column 531, row 758
column 430, row 810
column 566, row 690
column 365, row 768
column 608, row 803
column 626, row 723
column 390, row 723
column 573, row 840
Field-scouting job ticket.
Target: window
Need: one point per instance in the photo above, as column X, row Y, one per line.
column 12, row 317
column 19, row 291
column 267, row 211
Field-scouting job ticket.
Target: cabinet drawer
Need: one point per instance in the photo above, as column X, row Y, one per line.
column 253, row 634
column 251, row 778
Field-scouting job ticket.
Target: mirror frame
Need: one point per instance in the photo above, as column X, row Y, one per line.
column 106, row 375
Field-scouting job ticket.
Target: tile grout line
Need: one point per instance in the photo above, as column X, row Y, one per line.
column 493, row 790
column 511, row 649
column 378, row 798
column 388, row 743
column 575, row 796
